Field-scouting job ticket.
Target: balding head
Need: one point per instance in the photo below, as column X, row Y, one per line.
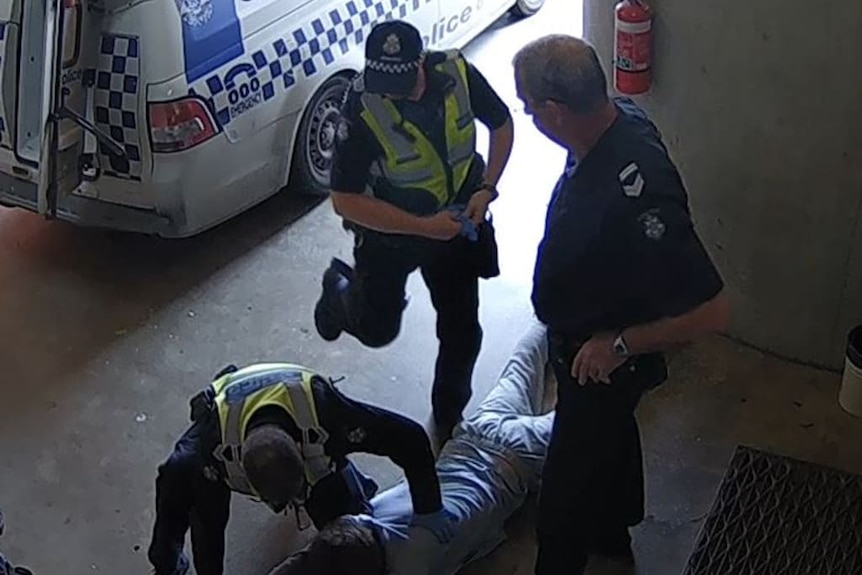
column 562, row 69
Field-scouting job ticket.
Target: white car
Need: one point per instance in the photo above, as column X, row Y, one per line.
column 168, row 117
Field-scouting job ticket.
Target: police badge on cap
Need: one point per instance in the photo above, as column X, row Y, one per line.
column 392, row 45
column 393, row 54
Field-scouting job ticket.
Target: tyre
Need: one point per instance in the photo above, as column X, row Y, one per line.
column 524, row 8
column 315, row 140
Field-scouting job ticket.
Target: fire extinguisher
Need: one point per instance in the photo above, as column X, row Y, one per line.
column 632, row 47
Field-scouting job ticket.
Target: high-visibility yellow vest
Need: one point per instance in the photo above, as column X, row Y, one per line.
column 410, row 159
column 238, row 397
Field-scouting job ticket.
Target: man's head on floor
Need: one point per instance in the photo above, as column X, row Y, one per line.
column 346, row 546
column 274, row 466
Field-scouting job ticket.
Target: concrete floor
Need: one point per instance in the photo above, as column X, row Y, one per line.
column 107, row 338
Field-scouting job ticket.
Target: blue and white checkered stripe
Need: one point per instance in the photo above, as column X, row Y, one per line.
column 306, row 50
column 116, row 99
column 5, row 136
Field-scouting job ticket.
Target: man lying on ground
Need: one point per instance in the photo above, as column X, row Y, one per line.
column 486, row 471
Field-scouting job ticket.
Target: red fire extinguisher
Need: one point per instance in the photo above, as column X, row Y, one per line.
column 632, row 47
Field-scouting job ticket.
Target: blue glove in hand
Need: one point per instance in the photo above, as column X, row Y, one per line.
column 441, row 523
column 468, row 228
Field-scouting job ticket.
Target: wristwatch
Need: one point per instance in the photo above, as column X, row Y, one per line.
column 491, row 188
column 621, row 348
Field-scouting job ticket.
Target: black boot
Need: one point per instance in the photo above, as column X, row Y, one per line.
column 329, row 312
column 182, row 567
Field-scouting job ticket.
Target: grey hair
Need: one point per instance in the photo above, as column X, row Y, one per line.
column 564, row 69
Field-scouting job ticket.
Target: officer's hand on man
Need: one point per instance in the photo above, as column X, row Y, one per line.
column 596, row 359
column 478, row 206
column 440, row 523
column 443, row 226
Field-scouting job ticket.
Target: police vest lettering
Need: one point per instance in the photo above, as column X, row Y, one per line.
column 411, row 160
column 239, row 395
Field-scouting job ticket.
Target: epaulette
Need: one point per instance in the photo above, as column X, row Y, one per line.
column 435, row 57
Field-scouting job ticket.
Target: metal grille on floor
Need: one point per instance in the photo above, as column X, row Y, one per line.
column 776, row 515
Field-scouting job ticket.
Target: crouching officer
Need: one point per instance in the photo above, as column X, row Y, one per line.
column 280, row 433
column 407, row 135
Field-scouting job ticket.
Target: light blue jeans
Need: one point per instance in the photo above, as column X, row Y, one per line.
column 495, row 457
column 510, row 416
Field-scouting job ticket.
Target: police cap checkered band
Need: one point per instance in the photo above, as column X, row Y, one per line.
column 392, row 68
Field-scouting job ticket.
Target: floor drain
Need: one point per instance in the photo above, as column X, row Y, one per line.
column 776, row 515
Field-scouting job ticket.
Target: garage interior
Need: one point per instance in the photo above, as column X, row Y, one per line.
column 108, row 336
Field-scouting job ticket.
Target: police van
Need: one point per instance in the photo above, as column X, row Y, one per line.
column 168, row 117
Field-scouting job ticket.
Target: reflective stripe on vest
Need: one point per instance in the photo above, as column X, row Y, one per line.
column 239, row 395
column 410, row 159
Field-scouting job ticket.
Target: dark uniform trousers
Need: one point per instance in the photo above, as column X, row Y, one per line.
column 592, row 484
column 374, row 302
column 189, row 496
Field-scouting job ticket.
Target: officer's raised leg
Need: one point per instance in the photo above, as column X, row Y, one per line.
column 367, row 301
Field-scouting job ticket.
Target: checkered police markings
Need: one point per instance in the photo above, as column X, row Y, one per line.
column 304, row 52
column 116, row 96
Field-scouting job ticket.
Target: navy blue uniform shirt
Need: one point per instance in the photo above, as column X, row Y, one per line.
column 357, row 148
column 619, row 247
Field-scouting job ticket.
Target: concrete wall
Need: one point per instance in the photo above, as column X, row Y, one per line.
column 761, row 105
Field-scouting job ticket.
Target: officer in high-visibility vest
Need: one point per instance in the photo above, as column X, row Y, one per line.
column 408, row 181
column 280, row 433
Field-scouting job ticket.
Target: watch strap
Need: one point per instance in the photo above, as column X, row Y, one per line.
column 621, row 348
column 491, row 188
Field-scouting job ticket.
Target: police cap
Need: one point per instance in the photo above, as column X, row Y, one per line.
column 393, row 55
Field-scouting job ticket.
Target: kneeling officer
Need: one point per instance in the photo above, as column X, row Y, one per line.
column 280, row 433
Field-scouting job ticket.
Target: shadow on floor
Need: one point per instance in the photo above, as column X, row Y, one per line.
column 68, row 292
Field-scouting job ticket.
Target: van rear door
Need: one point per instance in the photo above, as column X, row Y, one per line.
column 43, row 110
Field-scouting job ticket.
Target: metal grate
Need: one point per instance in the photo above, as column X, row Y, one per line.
column 774, row 515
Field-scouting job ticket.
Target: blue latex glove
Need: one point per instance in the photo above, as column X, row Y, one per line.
column 441, row 523
column 468, row 228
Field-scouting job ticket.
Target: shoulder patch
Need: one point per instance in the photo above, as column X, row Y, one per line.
column 632, row 180
column 652, row 225
column 356, row 435
column 434, row 58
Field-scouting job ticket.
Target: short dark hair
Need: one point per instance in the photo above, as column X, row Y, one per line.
column 272, row 462
column 346, row 546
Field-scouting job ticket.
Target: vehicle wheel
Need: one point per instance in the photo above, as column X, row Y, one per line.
column 524, row 8
column 315, row 140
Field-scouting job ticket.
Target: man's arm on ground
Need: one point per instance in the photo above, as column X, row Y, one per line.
column 400, row 439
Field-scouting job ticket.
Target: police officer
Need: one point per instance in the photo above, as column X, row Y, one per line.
column 280, row 433
column 621, row 277
column 407, row 136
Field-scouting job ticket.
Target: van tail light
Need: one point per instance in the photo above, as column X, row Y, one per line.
column 179, row 125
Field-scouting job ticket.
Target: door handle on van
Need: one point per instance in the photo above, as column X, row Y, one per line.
column 116, row 151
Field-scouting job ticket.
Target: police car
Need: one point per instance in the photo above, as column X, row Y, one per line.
column 170, row 116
